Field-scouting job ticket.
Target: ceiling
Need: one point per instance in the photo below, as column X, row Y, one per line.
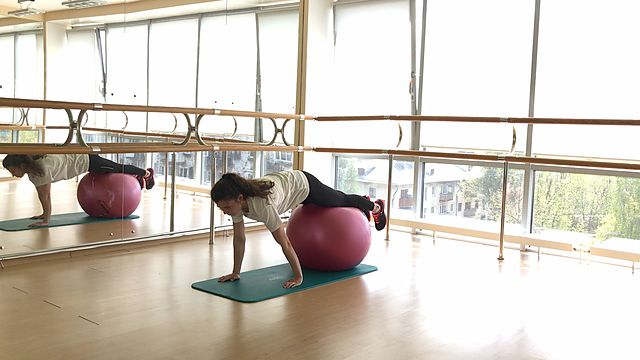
column 116, row 11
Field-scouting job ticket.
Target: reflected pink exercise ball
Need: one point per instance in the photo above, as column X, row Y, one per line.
column 329, row 239
column 112, row 195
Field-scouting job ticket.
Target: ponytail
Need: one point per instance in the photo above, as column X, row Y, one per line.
column 232, row 185
column 29, row 162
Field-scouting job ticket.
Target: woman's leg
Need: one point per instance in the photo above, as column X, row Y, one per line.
column 101, row 165
column 322, row 195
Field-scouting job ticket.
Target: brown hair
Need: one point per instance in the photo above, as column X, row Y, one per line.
column 31, row 166
column 232, row 185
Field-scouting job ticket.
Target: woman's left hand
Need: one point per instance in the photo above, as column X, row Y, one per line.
column 292, row 283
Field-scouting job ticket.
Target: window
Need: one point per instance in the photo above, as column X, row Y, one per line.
column 601, row 206
column 172, row 79
column 84, row 72
column 588, row 71
column 473, row 67
column 206, row 167
column 29, row 71
column 369, row 36
column 278, row 64
column 127, row 75
column 473, row 184
column 7, row 77
column 275, row 161
column 242, row 162
column 227, row 72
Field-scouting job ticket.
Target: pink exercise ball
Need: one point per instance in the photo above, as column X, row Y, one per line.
column 329, row 238
column 111, row 195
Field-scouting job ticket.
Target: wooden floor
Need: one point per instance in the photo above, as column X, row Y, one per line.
column 451, row 300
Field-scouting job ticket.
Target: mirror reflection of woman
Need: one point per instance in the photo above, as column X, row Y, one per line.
column 43, row 170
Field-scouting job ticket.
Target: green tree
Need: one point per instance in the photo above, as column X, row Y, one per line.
column 5, row 136
column 28, row 136
column 348, row 176
column 488, row 189
column 571, row 202
column 623, row 216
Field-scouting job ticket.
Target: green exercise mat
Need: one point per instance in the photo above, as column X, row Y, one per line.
column 263, row 284
column 56, row 220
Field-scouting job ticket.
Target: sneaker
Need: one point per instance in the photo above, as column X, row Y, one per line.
column 380, row 219
column 150, row 180
column 140, row 181
column 367, row 213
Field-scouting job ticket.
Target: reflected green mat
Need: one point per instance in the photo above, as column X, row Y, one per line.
column 56, row 220
column 263, row 284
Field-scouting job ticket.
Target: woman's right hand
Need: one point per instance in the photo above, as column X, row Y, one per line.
column 230, row 277
column 41, row 216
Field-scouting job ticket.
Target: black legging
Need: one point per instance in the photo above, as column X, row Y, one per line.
column 101, row 165
column 322, row 195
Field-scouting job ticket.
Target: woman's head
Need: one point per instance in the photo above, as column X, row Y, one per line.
column 231, row 190
column 18, row 165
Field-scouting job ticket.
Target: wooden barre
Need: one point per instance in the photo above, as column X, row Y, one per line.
column 412, row 118
column 430, row 154
column 628, row 165
column 21, row 127
column 574, row 162
column 148, row 134
column 126, row 148
column 48, row 104
column 114, row 148
column 481, row 119
column 44, row 104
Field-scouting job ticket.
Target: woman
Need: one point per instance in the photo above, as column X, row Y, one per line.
column 264, row 199
column 46, row 169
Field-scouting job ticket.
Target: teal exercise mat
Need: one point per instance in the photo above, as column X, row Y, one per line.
column 263, row 284
column 56, row 220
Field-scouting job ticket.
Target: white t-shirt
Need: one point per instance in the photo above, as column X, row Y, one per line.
column 290, row 189
column 60, row 167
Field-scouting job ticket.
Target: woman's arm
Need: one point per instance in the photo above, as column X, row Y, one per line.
column 239, row 240
column 281, row 237
column 44, row 194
